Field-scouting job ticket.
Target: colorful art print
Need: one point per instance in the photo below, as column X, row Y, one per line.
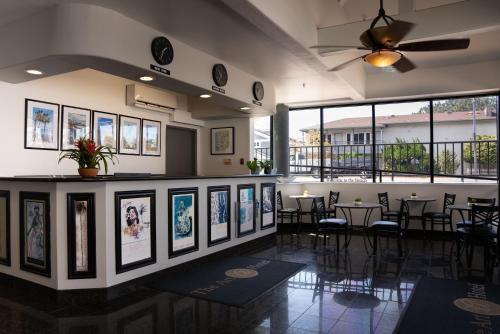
column 246, row 209
column 219, row 214
column 222, row 140
column 41, row 125
column 75, row 124
column 130, row 135
column 35, row 232
column 105, row 129
column 135, row 229
column 5, row 227
column 183, row 221
column 151, row 137
column 268, row 203
column 145, row 318
column 81, row 236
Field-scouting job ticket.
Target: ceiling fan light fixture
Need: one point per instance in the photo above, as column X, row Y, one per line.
column 382, row 58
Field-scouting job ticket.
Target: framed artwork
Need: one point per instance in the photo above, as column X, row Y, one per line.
column 135, row 229
column 75, row 123
column 268, row 203
column 34, row 232
column 81, row 236
column 222, row 140
column 146, row 319
column 151, row 137
column 5, row 227
column 183, row 221
column 130, row 135
column 246, row 209
column 219, row 214
column 105, row 129
column 41, row 125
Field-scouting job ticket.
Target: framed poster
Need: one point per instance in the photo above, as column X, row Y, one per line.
column 5, row 227
column 268, row 203
column 151, row 137
column 182, row 221
column 75, row 123
column 219, row 214
column 246, row 209
column 81, row 236
column 135, row 229
column 130, row 135
column 105, row 129
column 34, row 232
column 222, row 140
column 41, row 125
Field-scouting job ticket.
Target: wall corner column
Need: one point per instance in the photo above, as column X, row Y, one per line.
column 280, row 139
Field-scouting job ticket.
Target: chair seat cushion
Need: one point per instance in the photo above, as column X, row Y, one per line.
column 482, row 232
column 288, row 210
column 384, row 224
column 436, row 215
column 465, row 223
column 336, row 221
column 390, row 213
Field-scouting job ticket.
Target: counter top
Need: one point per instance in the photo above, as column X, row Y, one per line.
column 122, row 177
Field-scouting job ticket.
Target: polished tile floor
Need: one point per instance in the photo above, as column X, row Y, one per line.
column 350, row 292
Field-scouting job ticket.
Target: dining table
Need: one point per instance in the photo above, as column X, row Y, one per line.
column 415, row 200
column 302, row 212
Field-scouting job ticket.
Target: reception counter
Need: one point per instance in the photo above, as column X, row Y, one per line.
column 67, row 232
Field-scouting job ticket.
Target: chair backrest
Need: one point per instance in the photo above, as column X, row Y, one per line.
column 481, row 201
column 404, row 210
column 449, row 199
column 333, row 199
column 318, row 209
column 383, row 199
column 279, row 200
column 483, row 214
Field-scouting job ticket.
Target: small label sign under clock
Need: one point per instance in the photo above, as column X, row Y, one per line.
column 257, row 103
column 159, row 69
column 218, row 89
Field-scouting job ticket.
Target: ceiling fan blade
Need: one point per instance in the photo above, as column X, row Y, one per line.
column 386, row 35
column 338, row 47
column 404, row 65
column 345, row 64
column 436, row 45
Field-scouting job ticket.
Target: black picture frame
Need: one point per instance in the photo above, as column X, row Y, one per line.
column 241, row 187
column 116, row 124
column 33, row 265
column 5, row 194
column 145, row 120
column 272, row 202
column 56, row 122
column 172, row 211
column 63, row 114
column 131, row 195
column 72, row 200
column 139, row 135
column 210, row 190
column 231, row 138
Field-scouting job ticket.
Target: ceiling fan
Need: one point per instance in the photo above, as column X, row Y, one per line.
column 383, row 41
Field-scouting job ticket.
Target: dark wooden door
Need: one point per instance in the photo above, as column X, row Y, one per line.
column 180, row 151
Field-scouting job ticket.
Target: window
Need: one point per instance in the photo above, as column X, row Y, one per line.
column 262, row 138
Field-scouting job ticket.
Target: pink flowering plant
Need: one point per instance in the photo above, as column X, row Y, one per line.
column 89, row 155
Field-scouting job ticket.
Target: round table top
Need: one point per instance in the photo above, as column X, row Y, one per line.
column 362, row 205
column 310, row 196
column 417, row 199
column 464, row 206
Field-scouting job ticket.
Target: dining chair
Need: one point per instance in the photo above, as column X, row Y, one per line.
column 333, row 198
column 389, row 227
column 386, row 213
column 483, row 231
column 285, row 213
column 322, row 224
column 480, row 202
column 442, row 217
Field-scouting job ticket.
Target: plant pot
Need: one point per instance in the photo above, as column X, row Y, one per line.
column 88, row 172
column 267, row 170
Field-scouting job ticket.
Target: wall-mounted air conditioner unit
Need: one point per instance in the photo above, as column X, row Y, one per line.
column 151, row 98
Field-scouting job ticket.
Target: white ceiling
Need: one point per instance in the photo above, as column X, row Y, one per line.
column 270, row 38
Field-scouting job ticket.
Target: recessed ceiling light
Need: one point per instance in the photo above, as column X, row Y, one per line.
column 205, row 96
column 245, row 108
column 146, row 78
column 32, row 71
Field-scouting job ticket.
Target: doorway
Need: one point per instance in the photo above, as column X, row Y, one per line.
column 180, row 155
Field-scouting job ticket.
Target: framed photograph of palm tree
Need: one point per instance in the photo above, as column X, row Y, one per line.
column 219, row 214
column 41, row 125
column 75, row 123
column 34, row 232
column 130, row 135
column 151, row 137
column 5, row 227
column 105, row 129
column 81, row 236
column 268, row 200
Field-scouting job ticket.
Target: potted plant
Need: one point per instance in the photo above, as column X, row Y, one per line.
column 267, row 166
column 413, row 195
column 89, row 157
column 254, row 166
column 358, row 201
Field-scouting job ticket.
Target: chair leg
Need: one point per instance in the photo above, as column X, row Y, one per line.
column 346, row 230
column 471, row 253
column 375, row 237
column 324, row 239
column 400, row 249
column 337, row 236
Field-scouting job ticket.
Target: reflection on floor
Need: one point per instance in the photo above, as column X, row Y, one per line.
column 346, row 293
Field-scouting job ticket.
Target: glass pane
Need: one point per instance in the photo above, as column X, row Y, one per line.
column 403, row 142
column 262, row 138
column 304, row 142
column 465, row 139
column 346, row 159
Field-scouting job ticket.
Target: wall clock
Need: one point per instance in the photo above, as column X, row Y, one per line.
column 258, row 90
column 219, row 74
column 162, row 50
